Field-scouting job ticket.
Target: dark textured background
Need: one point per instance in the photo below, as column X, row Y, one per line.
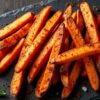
column 7, row 5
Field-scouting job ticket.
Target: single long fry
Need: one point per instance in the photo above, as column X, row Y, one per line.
column 17, row 24
column 77, row 53
column 89, row 22
column 91, row 25
column 16, row 83
column 48, row 73
column 38, row 24
column 89, row 64
column 25, row 58
column 14, row 38
column 72, row 80
column 76, row 36
column 67, row 13
column 10, row 57
column 41, row 59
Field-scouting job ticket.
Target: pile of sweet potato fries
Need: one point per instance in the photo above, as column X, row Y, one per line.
column 51, row 44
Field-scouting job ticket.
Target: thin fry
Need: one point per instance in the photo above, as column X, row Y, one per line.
column 89, row 22
column 72, row 80
column 15, row 38
column 77, row 53
column 41, row 59
column 91, row 25
column 16, row 83
column 10, row 57
column 15, row 25
column 38, row 24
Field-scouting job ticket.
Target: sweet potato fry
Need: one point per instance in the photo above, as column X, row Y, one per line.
column 15, row 38
column 76, row 35
column 16, row 83
column 48, row 73
column 41, row 59
column 91, row 25
column 89, row 22
column 64, row 71
column 10, row 57
column 25, row 58
column 77, row 53
column 72, row 80
column 38, row 24
column 67, row 12
column 15, row 25
column 89, row 64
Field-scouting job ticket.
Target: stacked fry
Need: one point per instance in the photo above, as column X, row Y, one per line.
column 51, row 44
